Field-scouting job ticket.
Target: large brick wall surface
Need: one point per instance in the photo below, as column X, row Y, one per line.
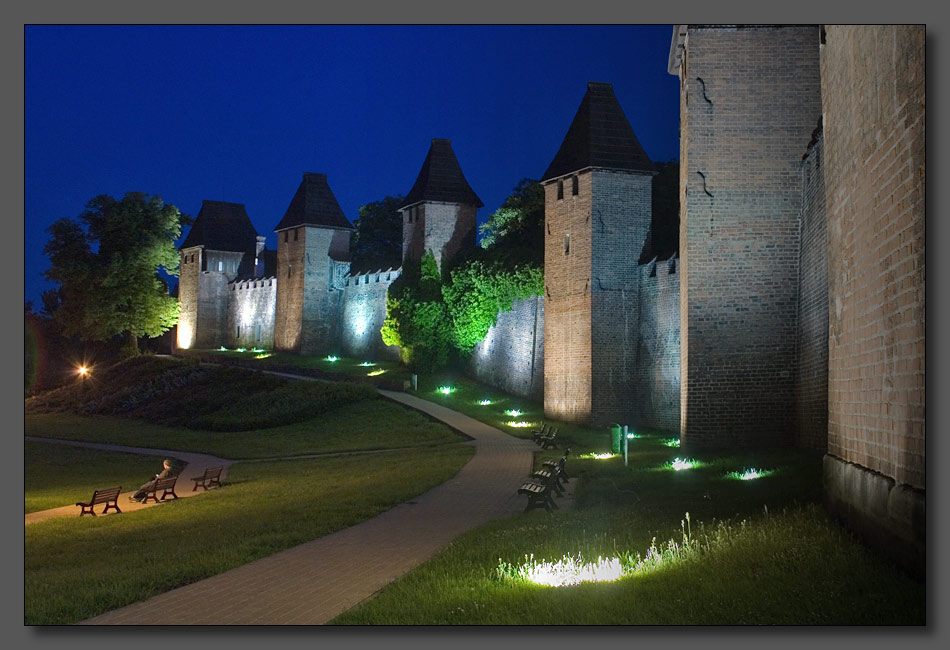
column 189, row 269
column 251, row 308
column 657, row 379
column 511, row 356
column 751, row 101
column 873, row 87
column 620, row 219
column 811, row 377
column 567, row 302
column 363, row 313
column 443, row 228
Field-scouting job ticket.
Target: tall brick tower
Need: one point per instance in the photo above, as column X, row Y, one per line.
column 597, row 208
column 749, row 102
column 440, row 210
column 221, row 245
column 313, row 258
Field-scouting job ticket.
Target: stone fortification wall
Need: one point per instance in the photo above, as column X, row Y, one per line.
column 363, row 313
column 511, row 356
column 811, row 376
column 751, row 102
column 873, row 95
column 618, row 224
column 657, row 377
column 251, row 311
column 189, row 269
column 443, row 228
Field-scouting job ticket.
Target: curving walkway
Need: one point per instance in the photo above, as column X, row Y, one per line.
column 312, row 583
column 195, row 466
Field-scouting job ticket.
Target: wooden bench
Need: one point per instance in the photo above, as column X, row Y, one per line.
column 559, row 466
column 543, row 475
column 211, row 477
column 539, row 494
column 548, row 441
column 167, row 485
column 543, row 431
column 108, row 496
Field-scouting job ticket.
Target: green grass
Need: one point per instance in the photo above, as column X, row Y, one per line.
column 58, row 475
column 77, row 568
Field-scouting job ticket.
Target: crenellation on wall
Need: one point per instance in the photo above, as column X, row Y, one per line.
column 251, row 309
column 363, row 313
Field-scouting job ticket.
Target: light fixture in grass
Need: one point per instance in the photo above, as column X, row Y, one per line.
column 679, row 464
column 672, row 442
column 375, row 373
column 632, row 436
column 520, row 424
column 242, row 350
column 484, row 402
column 367, row 364
column 566, row 572
column 446, row 390
column 750, row 474
column 512, row 413
column 257, row 350
column 603, row 456
column 264, row 356
column 222, row 349
column 332, row 358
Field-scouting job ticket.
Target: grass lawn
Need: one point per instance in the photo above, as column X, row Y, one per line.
column 77, row 568
column 58, row 475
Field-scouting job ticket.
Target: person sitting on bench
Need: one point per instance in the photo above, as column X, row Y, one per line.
column 140, row 493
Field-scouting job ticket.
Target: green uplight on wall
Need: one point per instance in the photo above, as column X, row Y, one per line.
column 749, row 474
column 446, row 390
column 512, row 413
column 332, row 358
column 672, row 442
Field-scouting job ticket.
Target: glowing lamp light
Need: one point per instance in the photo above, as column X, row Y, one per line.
column 672, row 442
column 521, row 424
column 749, row 474
column 264, row 356
column 375, row 373
column 367, row 364
column 631, row 436
column 223, row 349
column 257, row 350
column 484, row 402
column 570, row 571
column 512, row 413
column 603, row 456
column 332, row 358
column 82, row 371
column 446, row 390
column 683, row 463
column 241, row 350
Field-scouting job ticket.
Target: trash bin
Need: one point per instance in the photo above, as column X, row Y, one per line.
column 616, row 434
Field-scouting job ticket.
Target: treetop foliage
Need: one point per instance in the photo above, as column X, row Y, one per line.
column 377, row 242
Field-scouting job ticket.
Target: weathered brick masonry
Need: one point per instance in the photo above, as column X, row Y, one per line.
column 811, row 376
column 511, row 356
column 873, row 95
column 749, row 105
column 363, row 313
column 251, row 310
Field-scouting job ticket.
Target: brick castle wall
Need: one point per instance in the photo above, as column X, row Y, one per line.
column 511, row 356
column 443, row 228
column 567, row 301
column 657, row 375
column 363, row 313
column 873, row 96
column 751, row 102
column 189, row 269
column 251, row 311
column 811, row 377
column 618, row 225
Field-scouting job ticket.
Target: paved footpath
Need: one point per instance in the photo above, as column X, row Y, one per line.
column 312, row 583
column 196, row 464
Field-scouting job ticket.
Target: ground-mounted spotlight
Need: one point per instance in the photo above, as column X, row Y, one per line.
column 367, row 364
column 375, row 373
column 446, row 390
column 513, row 413
column 521, row 424
column 222, row 349
column 566, row 572
column 241, row 350
column 672, row 442
column 599, row 456
column 749, row 474
column 332, row 358
column 679, row 464
column 484, row 402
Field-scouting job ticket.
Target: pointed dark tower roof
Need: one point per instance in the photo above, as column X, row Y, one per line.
column 222, row 226
column 314, row 205
column 600, row 136
column 441, row 178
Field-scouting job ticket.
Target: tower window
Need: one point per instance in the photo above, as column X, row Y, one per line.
column 560, row 190
column 296, row 233
column 285, row 236
column 574, row 185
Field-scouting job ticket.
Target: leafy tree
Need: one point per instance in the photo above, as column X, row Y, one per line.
column 107, row 263
column 514, row 234
column 377, row 242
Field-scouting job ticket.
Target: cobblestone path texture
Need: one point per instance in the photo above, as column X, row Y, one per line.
column 312, row 583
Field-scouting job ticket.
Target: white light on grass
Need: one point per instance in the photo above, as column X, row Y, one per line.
column 672, row 442
column 446, row 390
column 599, row 456
column 367, row 364
column 332, row 358
column 264, row 356
column 521, row 424
column 631, row 436
column 484, row 402
column 570, row 571
column 223, row 349
column 241, row 350
column 683, row 463
column 257, row 350
column 512, row 413
column 749, row 474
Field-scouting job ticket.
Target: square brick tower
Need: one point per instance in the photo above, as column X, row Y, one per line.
column 440, row 210
column 313, row 258
column 597, row 209
column 221, row 245
column 750, row 99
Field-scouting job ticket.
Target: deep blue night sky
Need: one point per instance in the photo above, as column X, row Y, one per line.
column 238, row 113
